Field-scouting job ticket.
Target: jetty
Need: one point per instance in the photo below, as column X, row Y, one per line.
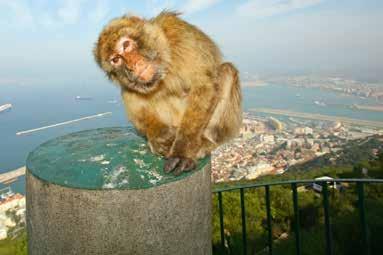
column 11, row 176
column 63, row 123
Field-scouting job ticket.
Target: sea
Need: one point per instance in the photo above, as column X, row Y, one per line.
column 35, row 106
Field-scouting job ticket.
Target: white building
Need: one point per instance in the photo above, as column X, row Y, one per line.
column 262, row 168
column 303, row 131
column 267, row 139
column 10, row 201
column 318, row 186
column 3, row 232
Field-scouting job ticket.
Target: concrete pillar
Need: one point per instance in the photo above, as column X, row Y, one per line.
column 102, row 192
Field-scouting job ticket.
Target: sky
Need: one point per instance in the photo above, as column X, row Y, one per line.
column 45, row 41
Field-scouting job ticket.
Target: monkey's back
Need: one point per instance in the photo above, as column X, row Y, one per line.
column 190, row 46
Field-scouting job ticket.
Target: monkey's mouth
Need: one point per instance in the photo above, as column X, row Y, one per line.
column 142, row 81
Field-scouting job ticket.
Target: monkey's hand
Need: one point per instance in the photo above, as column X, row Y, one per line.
column 161, row 142
column 179, row 158
column 179, row 165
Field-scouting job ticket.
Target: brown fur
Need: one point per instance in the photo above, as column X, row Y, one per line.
column 195, row 104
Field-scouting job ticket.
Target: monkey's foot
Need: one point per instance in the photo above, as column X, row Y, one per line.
column 179, row 165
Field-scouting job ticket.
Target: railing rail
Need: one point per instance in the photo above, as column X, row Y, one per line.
column 294, row 184
column 255, row 185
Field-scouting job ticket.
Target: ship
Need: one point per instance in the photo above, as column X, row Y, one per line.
column 320, row 103
column 5, row 107
column 83, row 98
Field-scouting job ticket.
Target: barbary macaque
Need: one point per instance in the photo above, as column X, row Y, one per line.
column 175, row 87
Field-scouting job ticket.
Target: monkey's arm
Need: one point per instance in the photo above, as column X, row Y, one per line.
column 202, row 100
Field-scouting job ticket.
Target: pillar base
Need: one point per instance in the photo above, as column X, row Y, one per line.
column 102, row 192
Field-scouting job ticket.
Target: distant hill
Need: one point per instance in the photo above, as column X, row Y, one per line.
column 352, row 153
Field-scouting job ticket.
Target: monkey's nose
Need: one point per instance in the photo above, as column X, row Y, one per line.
column 140, row 67
column 144, row 70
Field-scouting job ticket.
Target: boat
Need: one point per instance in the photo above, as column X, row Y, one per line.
column 5, row 107
column 83, row 98
column 320, row 103
column 6, row 193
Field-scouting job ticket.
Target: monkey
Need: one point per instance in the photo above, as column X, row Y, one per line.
column 176, row 89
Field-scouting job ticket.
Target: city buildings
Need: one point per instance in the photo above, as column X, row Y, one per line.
column 269, row 146
column 12, row 211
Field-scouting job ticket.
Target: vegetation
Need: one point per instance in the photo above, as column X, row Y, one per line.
column 16, row 243
column 17, row 246
column 344, row 213
column 352, row 153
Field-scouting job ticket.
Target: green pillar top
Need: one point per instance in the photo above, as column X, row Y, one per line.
column 106, row 158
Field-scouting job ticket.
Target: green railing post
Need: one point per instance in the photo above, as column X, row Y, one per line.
column 296, row 219
column 327, row 219
column 362, row 214
column 221, row 221
column 294, row 184
column 268, row 212
column 243, row 213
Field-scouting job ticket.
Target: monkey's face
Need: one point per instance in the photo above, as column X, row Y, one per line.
column 133, row 68
column 129, row 57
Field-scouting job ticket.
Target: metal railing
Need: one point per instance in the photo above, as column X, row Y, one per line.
column 360, row 183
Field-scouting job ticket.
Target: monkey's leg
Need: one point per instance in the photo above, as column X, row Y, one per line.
column 159, row 135
column 160, row 141
column 227, row 117
column 201, row 101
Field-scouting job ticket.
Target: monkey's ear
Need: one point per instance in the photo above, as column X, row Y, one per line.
column 134, row 18
column 96, row 54
column 169, row 12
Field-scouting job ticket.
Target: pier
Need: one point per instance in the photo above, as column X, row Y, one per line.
column 63, row 123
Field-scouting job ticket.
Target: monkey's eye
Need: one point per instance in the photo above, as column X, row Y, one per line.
column 115, row 60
